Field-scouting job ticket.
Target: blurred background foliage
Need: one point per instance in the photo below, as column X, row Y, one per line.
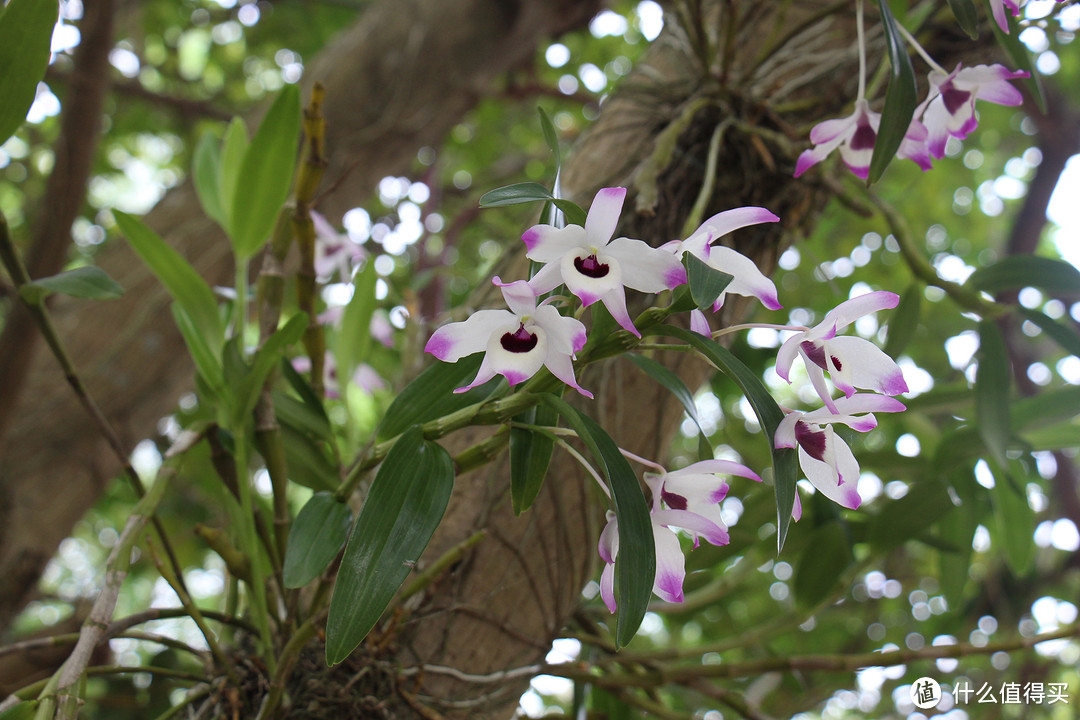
column 945, row 548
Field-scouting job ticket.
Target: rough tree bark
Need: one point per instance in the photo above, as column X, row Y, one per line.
column 732, row 66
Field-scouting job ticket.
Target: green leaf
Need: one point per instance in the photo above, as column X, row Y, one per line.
column 954, row 565
column 206, row 172
column 431, row 395
column 22, row 711
column 247, row 394
column 706, row 282
column 407, row 500
column 785, row 460
column 307, row 462
column 904, row 321
column 674, row 384
column 206, row 360
column 182, row 282
column 1014, row 523
column 354, row 339
column 516, row 194
column 824, row 559
column 573, row 212
column 1019, row 271
column 84, row 282
column 964, row 10
column 297, row 413
column 1063, row 335
column 900, row 99
column 901, row 520
column 1021, row 58
column 530, row 456
column 550, row 136
column 266, row 174
column 318, row 533
column 635, row 565
column 25, row 31
column 992, row 381
column 233, row 150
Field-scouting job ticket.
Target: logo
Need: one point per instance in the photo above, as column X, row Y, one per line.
column 925, row 693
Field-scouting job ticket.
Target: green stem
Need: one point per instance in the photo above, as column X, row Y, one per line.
column 250, row 541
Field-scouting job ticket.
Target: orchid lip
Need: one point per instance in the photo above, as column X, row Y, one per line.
column 521, row 341
column 954, row 99
column 811, row 440
column 864, row 138
column 591, row 267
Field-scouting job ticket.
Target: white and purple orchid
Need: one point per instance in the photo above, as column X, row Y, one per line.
column 854, row 136
column 851, row 362
column 747, row 279
column 336, row 254
column 688, row 499
column 825, row 458
column 949, row 108
column 595, row 267
column 517, row 342
column 997, row 8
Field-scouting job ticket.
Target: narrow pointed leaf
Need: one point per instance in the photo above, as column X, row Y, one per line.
column 785, row 460
column 307, row 462
column 431, row 395
column 1019, row 271
column 266, row 174
column 1063, row 335
column 267, row 357
column 25, row 31
column 407, row 500
column 706, row 282
column 233, row 149
column 904, row 321
column 182, row 282
column 206, row 360
column 88, row 282
column 965, row 13
column 318, row 533
column 674, row 384
column 550, row 136
column 301, row 416
column 900, row 99
column 354, row 338
column 530, row 456
column 572, row 212
column 992, row 380
column 516, row 194
column 635, row 566
column 1014, row 523
column 206, row 172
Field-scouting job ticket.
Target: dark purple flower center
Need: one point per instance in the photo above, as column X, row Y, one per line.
column 816, row 353
column 864, row 136
column 673, row 501
column 591, row 267
column 521, row 341
column 954, row 99
column 811, row 440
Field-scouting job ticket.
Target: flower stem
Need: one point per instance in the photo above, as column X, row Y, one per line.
column 862, row 48
column 919, row 49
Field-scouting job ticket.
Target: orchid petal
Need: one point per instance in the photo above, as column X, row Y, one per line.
column 566, row 335
column 607, row 587
column 519, row 296
column 603, row 215
column 869, row 402
column 546, row 243
column 716, row 466
column 849, row 311
column 833, row 130
column 699, row 323
column 729, row 221
column 644, row 268
column 561, row 367
column 865, row 366
column 785, row 431
column 670, row 565
column 747, row 279
column 454, row 341
column 615, row 302
column 691, row 522
column 546, row 279
column 836, row 482
column 789, row 350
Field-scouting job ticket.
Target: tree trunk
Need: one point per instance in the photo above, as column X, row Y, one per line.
column 722, row 70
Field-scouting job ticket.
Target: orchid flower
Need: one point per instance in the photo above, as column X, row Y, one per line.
column 688, row 499
column 746, row 280
column 335, row 253
column 515, row 342
column 851, row 362
column 949, row 109
column 825, row 458
column 595, row 267
column 854, row 136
